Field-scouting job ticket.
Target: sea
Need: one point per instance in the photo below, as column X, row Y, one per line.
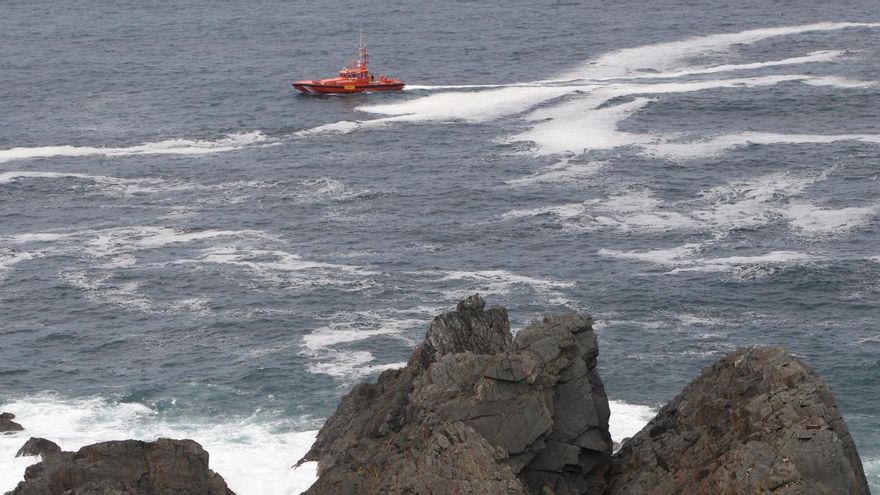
column 191, row 249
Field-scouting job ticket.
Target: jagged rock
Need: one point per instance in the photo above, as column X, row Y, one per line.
column 7, row 423
column 127, row 467
column 475, row 411
column 38, row 446
column 757, row 421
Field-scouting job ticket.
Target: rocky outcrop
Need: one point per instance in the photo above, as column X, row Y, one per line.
column 38, row 446
column 7, row 423
column 475, row 411
column 123, row 468
column 757, row 421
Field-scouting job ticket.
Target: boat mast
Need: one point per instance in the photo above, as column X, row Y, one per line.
column 363, row 56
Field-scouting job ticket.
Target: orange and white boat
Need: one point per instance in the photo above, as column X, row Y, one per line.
column 355, row 77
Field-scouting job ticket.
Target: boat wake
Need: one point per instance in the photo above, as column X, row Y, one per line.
column 580, row 110
column 573, row 113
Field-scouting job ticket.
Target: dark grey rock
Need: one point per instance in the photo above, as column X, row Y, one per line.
column 40, row 447
column 757, row 421
column 126, row 467
column 7, row 423
column 475, row 411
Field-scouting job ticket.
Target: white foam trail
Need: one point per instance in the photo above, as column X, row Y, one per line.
column 503, row 282
column 718, row 145
column 253, row 456
column 684, row 260
column 813, row 57
column 735, row 205
column 584, row 124
column 465, row 86
column 666, row 57
column 812, row 219
column 575, row 127
column 168, row 147
column 671, row 256
column 321, row 345
column 10, row 258
column 118, row 186
column 872, row 473
column 731, row 262
column 561, row 171
column 475, row 106
column 635, row 210
column 627, row 419
column 119, row 240
column 341, row 127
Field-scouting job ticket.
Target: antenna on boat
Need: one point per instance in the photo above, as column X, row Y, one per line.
column 363, row 57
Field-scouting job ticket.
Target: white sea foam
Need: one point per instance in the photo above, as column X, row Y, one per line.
column 732, row 262
column 119, row 186
column 739, row 204
column 813, row 57
column 114, row 241
column 685, row 259
column 474, row 106
column 9, row 258
column 872, row 473
column 341, row 127
column 322, row 344
column 669, row 56
column 504, row 282
column 562, row 171
column 254, row 456
column 167, row 147
column 587, row 123
column 811, row 219
column 636, row 210
column 670, row 256
column 717, row 145
column 628, row 419
column 579, row 125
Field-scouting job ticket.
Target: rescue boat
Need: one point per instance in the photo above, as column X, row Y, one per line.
column 355, row 77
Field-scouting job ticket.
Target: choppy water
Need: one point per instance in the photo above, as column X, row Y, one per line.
column 189, row 249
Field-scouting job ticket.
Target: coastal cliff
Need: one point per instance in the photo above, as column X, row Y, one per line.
column 477, row 410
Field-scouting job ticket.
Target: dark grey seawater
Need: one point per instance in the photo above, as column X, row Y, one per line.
column 189, row 248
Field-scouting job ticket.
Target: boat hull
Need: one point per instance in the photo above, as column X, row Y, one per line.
column 314, row 87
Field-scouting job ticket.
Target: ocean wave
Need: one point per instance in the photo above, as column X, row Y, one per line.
column 253, row 454
column 628, row 419
column 167, row 147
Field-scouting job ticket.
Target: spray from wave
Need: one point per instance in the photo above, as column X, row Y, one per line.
column 253, row 454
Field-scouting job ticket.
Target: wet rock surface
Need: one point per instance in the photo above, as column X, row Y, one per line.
column 476, row 411
column 757, row 421
column 38, row 446
column 127, row 467
column 7, row 423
